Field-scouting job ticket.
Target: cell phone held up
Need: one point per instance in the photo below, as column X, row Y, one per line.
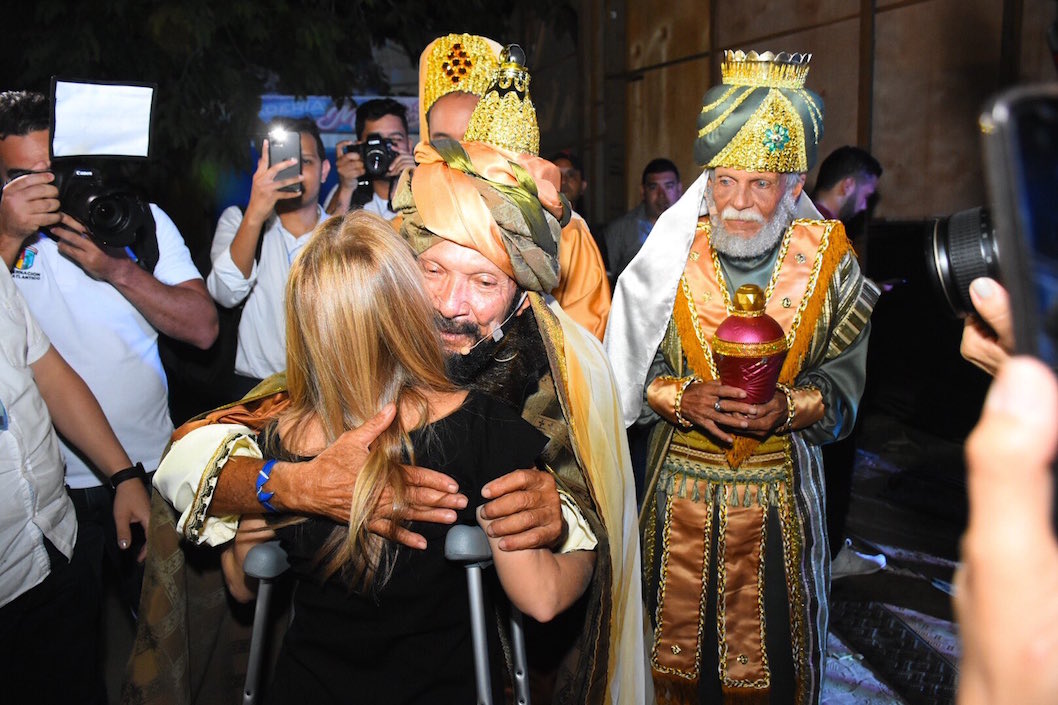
column 284, row 145
column 1020, row 135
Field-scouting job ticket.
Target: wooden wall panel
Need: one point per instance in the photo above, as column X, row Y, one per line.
column 936, row 64
column 1036, row 61
column 662, row 115
column 659, row 34
column 752, row 24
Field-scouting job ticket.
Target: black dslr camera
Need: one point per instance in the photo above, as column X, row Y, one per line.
column 115, row 214
column 378, row 155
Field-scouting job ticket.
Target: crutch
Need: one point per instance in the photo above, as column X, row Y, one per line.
column 266, row 562
column 470, row 546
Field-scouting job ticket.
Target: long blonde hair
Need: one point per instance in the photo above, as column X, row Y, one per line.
column 360, row 334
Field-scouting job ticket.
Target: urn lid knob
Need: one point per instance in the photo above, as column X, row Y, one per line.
column 749, row 300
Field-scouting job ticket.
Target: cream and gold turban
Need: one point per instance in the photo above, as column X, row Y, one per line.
column 761, row 117
column 507, row 207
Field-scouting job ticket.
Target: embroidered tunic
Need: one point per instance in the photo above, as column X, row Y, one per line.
column 736, row 564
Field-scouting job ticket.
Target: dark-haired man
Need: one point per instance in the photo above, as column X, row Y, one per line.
column 847, row 179
column 660, row 188
column 276, row 224
column 388, row 119
column 103, row 312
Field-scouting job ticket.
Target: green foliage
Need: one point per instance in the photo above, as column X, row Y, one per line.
column 212, row 60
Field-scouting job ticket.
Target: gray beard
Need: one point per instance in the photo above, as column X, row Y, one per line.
column 767, row 238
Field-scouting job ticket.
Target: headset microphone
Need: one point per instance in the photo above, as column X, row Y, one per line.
column 497, row 332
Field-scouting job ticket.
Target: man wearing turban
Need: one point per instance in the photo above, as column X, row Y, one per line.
column 455, row 71
column 484, row 221
column 736, row 563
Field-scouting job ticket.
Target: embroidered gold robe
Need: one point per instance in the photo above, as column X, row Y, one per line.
column 736, row 564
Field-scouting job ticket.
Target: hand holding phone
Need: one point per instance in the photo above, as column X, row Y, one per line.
column 282, row 146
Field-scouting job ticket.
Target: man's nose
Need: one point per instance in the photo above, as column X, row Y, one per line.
column 740, row 198
column 450, row 298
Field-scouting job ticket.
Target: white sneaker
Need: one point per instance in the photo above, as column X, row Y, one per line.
column 849, row 562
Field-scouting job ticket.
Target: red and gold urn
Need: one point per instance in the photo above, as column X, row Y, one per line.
column 750, row 347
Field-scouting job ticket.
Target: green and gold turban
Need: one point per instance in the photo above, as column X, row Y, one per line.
column 761, row 117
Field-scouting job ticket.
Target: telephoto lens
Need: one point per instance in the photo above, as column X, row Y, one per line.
column 961, row 248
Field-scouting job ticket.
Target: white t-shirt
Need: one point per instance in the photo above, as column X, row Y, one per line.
column 377, row 204
column 108, row 342
column 262, row 347
column 33, row 501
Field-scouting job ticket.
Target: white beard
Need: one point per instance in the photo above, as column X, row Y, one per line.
column 767, row 238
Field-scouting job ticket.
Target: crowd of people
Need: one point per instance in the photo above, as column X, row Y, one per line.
column 442, row 343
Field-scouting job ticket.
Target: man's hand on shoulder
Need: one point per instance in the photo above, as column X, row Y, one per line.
column 324, row 486
column 525, row 510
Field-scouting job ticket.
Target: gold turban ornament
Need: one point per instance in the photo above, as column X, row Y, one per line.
column 455, row 62
column 761, row 117
column 505, row 117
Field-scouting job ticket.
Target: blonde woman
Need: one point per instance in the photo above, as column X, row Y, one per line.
column 372, row 623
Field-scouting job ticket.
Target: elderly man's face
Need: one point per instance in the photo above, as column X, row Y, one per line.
column 746, row 200
column 471, row 294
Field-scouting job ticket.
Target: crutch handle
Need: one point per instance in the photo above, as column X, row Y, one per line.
column 467, row 544
column 266, row 561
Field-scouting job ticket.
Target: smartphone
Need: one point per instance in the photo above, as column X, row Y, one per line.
column 1020, row 134
column 283, row 145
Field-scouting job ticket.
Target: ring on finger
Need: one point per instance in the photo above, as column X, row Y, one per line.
column 716, row 406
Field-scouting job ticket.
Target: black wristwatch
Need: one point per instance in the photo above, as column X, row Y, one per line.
column 136, row 471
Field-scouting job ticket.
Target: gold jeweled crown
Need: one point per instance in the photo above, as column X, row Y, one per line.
column 505, row 116
column 455, row 62
column 780, row 70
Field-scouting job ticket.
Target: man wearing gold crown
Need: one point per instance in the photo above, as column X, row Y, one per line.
column 454, row 72
column 736, row 562
column 484, row 218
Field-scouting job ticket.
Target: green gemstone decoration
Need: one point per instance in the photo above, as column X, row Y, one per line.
column 776, row 138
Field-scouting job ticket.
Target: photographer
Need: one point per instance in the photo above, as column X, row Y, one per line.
column 253, row 248
column 102, row 311
column 387, row 120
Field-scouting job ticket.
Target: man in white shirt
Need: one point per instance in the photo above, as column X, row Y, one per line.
column 102, row 311
column 48, row 641
column 253, row 249
column 388, row 119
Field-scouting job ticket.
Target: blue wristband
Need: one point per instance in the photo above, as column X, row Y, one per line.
column 262, row 477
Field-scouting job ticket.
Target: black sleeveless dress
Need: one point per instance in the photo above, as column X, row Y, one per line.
column 410, row 642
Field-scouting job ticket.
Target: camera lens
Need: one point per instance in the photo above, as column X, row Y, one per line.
column 109, row 218
column 962, row 248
